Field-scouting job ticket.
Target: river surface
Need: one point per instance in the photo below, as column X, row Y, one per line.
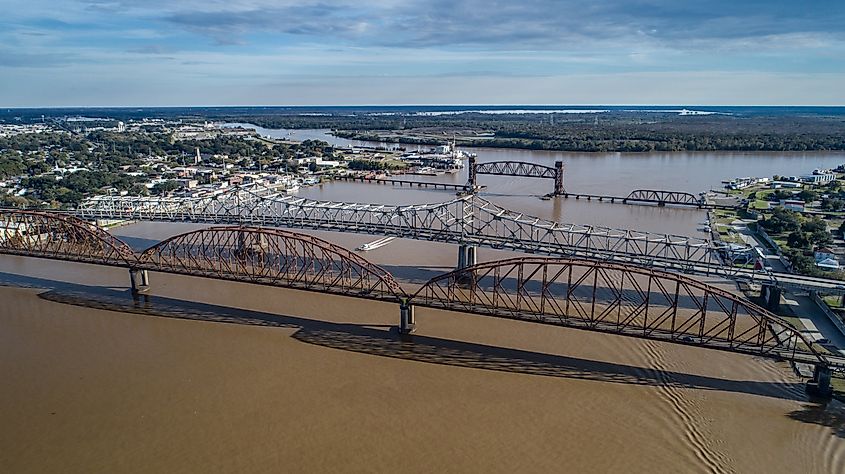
column 226, row 377
column 593, row 173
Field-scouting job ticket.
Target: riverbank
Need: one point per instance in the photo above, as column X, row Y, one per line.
column 582, row 141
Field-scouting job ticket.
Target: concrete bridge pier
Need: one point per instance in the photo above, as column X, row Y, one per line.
column 820, row 383
column 771, row 295
column 139, row 280
column 407, row 321
column 467, row 256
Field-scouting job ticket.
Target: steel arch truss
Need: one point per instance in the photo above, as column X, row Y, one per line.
column 620, row 299
column 664, row 197
column 516, row 168
column 467, row 220
column 271, row 257
column 60, row 237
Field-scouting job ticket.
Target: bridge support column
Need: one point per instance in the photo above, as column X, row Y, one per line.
column 471, row 255
column 820, row 383
column 558, row 178
column 407, row 321
column 139, row 280
column 771, row 294
column 467, row 256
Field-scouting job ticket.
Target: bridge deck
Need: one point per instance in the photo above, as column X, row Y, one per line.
column 623, row 299
column 405, row 182
column 632, row 201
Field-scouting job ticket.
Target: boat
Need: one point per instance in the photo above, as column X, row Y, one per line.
column 375, row 244
column 425, row 171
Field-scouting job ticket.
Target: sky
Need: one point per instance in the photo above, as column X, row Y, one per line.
column 382, row 52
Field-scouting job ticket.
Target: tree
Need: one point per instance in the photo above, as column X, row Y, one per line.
column 821, row 237
column 808, row 195
column 781, row 194
column 782, row 220
column 832, row 204
column 798, row 240
column 814, row 225
column 165, row 187
column 139, row 190
column 38, row 168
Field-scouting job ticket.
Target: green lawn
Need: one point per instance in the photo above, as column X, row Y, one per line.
column 833, row 301
column 760, row 205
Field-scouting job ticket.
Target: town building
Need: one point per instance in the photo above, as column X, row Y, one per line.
column 793, row 204
column 826, row 259
column 819, row 179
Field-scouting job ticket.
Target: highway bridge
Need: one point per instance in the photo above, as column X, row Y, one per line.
column 468, row 221
column 617, row 298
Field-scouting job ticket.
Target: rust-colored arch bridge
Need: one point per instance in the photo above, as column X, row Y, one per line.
column 617, row 298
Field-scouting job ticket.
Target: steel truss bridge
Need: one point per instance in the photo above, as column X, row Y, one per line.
column 469, row 221
column 516, row 168
column 649, row 196
column 662, row 198
column 616, row 298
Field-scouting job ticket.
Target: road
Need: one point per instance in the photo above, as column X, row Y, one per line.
column 814, row 320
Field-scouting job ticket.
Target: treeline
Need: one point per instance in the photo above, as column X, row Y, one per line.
column 161, row 144
column 617, row 131
column 374, row 165
column 72, row 188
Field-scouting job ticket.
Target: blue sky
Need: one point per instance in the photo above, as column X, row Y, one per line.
column 286, row 52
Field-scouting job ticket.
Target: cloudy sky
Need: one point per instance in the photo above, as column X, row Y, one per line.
column 313, row 52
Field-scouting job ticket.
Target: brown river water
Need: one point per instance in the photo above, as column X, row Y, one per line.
column 216, row 376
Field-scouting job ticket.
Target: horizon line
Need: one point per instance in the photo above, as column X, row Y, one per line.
column 53, row 107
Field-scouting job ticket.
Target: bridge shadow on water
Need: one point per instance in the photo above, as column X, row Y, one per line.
column 384, row 341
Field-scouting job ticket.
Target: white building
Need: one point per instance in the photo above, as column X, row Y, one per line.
column 826, row 259
column 818, row 178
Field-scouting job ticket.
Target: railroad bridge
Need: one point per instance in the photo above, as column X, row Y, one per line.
column 515, row 168
column 647, row 196
column 587, row 294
